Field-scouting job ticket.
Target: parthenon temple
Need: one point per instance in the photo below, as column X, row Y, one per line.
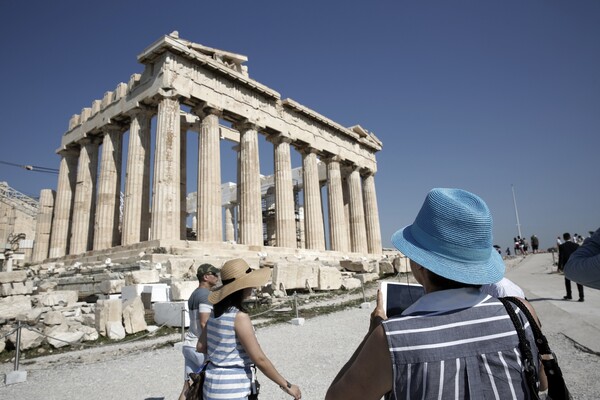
column 111, row 199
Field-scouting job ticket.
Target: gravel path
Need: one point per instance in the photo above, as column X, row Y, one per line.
column 309, row 355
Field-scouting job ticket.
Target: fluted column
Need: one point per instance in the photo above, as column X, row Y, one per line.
column 43, row 225
column 229, row 223
column 338, row 229
column 106, row 230
column 183, row 182
column 209, row 178
column 250, row 218
column 65, row 194
column 285, row 222
column 136, row 210
column 372, row 215
column 166, row 202
column 313, row 214
column 85, row 197
column 357, row 214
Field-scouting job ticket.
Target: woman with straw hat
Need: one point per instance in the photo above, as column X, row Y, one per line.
column 229, row 340
column 455, row 342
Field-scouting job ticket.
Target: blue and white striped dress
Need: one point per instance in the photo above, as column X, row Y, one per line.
column 464, row 353
column 228, row 374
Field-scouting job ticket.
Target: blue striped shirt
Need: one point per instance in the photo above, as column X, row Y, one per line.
column 444, row 351
column 228, row 375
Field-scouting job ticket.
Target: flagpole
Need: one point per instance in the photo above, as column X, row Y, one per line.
column 516, row 212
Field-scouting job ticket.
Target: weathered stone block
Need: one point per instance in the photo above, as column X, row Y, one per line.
column 386, row 267
column 62, row 339
column 13, row 276
column 329, row 278
column 142, row 276
column 61, row 298
column 16, row 288
column 357, row 266
column 110, row 286
column 169, row 313
column 296, row 275
column 54, row 318
column 89, row 333
column 182, row 290
column 29, row 339
column 47, row 286
column 158, row 291
column 368, row 277
column 350, row 283
column 115, row 330
column 180, row 268
column 12, row 306
column 133, row 315
column 402, row 265
column 108, row 311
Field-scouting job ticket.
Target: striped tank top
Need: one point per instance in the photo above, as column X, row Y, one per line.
column 228, row 374
column 469, row 353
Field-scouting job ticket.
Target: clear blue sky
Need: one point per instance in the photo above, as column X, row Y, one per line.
column 471, row 94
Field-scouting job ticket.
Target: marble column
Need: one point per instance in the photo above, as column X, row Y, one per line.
column 63, row 206
column 183, row 182
column 166, row 201
column 250, row 218
column 210, row 225
column 106, row 230
column 338, row 229
column 136, row 210
column 357, row 214
column 372, row 215
column 313, row 214
column 43, row 225
column 229, row 223
column 285, row 221
column 85, row 197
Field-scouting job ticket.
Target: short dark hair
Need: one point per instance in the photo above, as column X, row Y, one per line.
column 445, row 283
column 235, row 299
column 566, row 236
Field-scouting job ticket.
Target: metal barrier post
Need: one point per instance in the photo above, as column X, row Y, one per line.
column 16, row 376
column 297, row 320
column 18, row 350
column 183, row 324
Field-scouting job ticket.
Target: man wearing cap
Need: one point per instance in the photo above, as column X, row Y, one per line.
column 455, row 342
column 199, row 310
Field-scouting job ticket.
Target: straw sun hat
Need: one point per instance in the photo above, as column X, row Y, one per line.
column 452, row 237
column 236, row 275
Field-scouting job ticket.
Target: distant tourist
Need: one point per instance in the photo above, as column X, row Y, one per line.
column 431, row 350
column 535, row 243
column 565, row 251
column 583, row 266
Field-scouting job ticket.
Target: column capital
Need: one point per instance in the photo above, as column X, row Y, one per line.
column 277, row 138
column 89, row 140
column 246, row 125
column 141, row 111
column 68, row 151
column 203, row 110
column 112, row 128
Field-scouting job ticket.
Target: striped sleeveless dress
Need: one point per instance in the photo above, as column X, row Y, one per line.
column 469, row 353
column 228, row 374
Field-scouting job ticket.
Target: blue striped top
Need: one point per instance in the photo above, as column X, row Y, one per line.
column 228, row 375
column 463, row 353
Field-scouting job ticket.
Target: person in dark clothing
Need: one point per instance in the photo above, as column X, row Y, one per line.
column 564, row 252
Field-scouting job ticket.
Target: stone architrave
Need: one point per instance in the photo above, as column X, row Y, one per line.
column 372, row 215
column 209, row 178
column 285, row 228
column 106, row 229
column 63, row 208
column 338, row 228
column 250, row 218
column 357, row 214
column 85, row 195
column 136, row 207
column 313, row 211
column 166, row 200
column 44, row 225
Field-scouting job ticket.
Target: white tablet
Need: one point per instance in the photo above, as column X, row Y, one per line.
column 398, row 296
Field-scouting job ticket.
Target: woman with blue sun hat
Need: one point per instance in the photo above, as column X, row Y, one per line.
column 455, row 341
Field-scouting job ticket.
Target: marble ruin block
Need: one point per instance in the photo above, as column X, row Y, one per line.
column 61, row 298
column 142, row 276
column 62, row 339
column 158, row 291
column 16, row 288
column 329, row 278
column 54, row 318
column 13, row 276
column 29, row 339
column 357, row 266
column 350, row 283
column 386, row 267
column 112, row 286
column 180, row 268
column 11, row 307
column 169, row 313
column 182, row 290
column 115, row 330
column 133, row 315
column 108, row 311
column 295, row 275
column 402, row 265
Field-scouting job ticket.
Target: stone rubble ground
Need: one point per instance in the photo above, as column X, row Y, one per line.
column 309, row 355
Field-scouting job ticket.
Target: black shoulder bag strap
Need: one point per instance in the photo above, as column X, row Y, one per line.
column 557, row 388
column 525, row 348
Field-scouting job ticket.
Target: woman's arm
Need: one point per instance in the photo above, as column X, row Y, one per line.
column 245, row 333
column 201, row 345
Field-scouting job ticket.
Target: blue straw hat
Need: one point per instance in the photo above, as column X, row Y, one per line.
column 452, row 237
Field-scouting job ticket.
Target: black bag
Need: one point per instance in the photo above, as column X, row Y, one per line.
column 194, row 392
column 254, row 386
column 557, row 388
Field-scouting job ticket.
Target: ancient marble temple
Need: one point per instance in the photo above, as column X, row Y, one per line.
column 187, row 87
